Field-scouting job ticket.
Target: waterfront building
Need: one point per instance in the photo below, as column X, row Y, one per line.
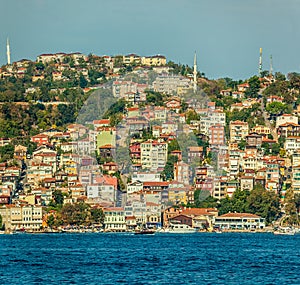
column 22, row 217
column 198, row 218
column 239, row 221
column 114, row 219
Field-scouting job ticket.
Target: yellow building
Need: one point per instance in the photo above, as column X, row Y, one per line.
column 261, row 130
column 30, row 199
column 37, row 172
column 156, row 60
column 178, row 195
column 131, row 58
column 70, row 167
column 238, row 130
column 17, row 217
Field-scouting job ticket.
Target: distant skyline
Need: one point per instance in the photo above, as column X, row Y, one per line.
column 226, row 35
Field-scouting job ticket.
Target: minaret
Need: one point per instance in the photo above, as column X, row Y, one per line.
column 195, row 73
column 271, row 66
column 8, row 51
column 260, row 62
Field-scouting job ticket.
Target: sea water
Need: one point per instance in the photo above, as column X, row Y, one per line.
column 200, row 258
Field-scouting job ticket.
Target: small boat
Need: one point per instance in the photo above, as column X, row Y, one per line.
column 144, row 232
column 178, row 228
column 285, row 231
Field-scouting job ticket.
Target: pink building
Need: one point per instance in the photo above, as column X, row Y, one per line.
column 216, row 135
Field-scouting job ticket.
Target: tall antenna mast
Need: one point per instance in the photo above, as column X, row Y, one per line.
column 8, row 51
column 260, row 62
column 271, row 65
column 195, row 73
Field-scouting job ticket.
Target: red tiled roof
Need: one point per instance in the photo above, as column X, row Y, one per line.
column 115, row 209
column 289, row 124
column 199, row 211
column 239, row 215
column 154, row 183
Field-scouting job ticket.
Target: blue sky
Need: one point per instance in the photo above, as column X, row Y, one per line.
column 226, row 34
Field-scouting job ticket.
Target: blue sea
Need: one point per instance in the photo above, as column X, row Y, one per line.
column 201, row 258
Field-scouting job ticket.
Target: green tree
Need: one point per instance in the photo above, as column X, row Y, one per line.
column 97, row 215
column 75, row 214
column 39, row 66
column 173, row 145
column 155, row 98
column 115, row 119
column 209, row 202
column 6, row 152
column 82, row 81
column 191, row 115
column 58, row 197
column 275, row 149
column 264, row 203
column 51, row 221
column 290, row 208
column 168, row 172
column 242, row 144
column 279, row 76
column 297, row 201
column 264, row 73
column 277, row 108
column 115, row 108
column 225, row 206
column 237, row 203
column 254, row 86
column 294, row 79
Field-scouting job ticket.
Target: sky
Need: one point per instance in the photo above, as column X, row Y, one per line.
column 226, row 34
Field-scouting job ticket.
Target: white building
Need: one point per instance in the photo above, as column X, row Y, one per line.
column 172, row 84
column 146, row 176
column 291, row 145
column 154, row 155
column 114, row 219
column 239, row 221
column 211, row 118
column 134, row 187
column 286, row 118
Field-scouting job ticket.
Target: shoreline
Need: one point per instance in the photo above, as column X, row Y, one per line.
column 97, row 231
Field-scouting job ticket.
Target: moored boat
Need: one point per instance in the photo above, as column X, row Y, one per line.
column 284, row 231
column 144, row 232
column 179, row 228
